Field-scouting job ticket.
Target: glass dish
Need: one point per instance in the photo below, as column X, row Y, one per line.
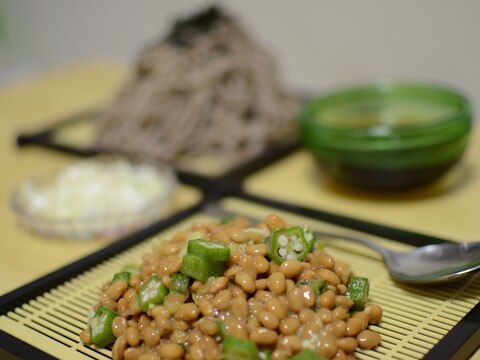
column 387, row 135
column 105, row 196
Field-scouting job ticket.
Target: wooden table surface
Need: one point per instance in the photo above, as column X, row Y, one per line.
column 449, row 209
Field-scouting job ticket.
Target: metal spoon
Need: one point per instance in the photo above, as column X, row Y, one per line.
column 429, row 264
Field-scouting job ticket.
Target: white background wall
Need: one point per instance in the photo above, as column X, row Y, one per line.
column 319, row 44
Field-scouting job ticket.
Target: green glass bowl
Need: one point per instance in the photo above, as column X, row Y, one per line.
column 387, row 135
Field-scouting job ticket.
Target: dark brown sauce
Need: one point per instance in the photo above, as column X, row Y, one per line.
column 374, row 179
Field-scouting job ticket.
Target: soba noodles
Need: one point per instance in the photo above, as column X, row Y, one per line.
column 206, row 93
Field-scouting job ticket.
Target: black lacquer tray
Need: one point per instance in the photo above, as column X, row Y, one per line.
column 42, row 319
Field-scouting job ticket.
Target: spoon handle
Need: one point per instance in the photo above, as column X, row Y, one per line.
column 380, row 249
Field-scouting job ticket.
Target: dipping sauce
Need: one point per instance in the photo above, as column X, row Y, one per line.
column 387, row 135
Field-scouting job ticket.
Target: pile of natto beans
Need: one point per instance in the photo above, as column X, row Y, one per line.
column 255, row 299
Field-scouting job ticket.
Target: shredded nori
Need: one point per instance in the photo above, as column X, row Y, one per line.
column 185, row 31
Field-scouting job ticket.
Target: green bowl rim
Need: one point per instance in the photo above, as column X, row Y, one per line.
column 389, row 86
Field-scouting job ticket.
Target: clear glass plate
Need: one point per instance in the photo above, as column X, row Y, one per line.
column 104, row 196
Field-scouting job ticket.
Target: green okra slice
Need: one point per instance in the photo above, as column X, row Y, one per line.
column 180, row 283
column 310, row 238
column 210, row 250
column 265, row 354
column 222, row 330
column 288, row 244
column 317, row 285
column 101, row 327
column 239, row 349
column 123, row 275
column 132, row 268
column 200, row 268
column 152, row 293
column 357, row 291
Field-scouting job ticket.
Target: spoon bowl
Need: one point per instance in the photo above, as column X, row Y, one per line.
column 431, row 264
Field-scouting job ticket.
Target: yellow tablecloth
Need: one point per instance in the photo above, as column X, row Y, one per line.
column 448, row 209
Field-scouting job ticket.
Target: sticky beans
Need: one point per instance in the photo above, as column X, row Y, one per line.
column 341, row 289
column 206, row 307
column 354, row 326
column 325, row 316
column 291, row 268
column 222, row 299
column 133, row 336
column 107, row 302
column 117, row 289
column 261, row 284
column 293, row 343
column 289, row 326
column 240, row 307
column 347, row 344
column 239, row 236
column 245, row 281
column 148, row 356
column 263, row 336
column 164, row 324
column 339, row 328
column 208, row 326
column 276, row 283
column 343, row 270
column 281, row 354
column 133, row 307
column 340, row 313
column 276, row 307
column 325, row 260
column 295, row 300
column 257, row 249
column 263, row 296
column 274, row 222
column 268, row 319
column 329, row 276
column 307, row 315
column 143, row 321
column 119, row 347
column 175, row 266
column 261, row 264
column 151, row 336
column 368, row 339
column 273, row 268
column 187, row 312
column 171, row 351
column 374, row 313
column 341, row 300
column 247, row 264
column 119, row 326
column 180, row 325
column 85, row 337
column 253, row 299
column 362, row 316
column 328, row 347
column 218, row 284
column 308, row 296
column 327, row 299
column 232, row 272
